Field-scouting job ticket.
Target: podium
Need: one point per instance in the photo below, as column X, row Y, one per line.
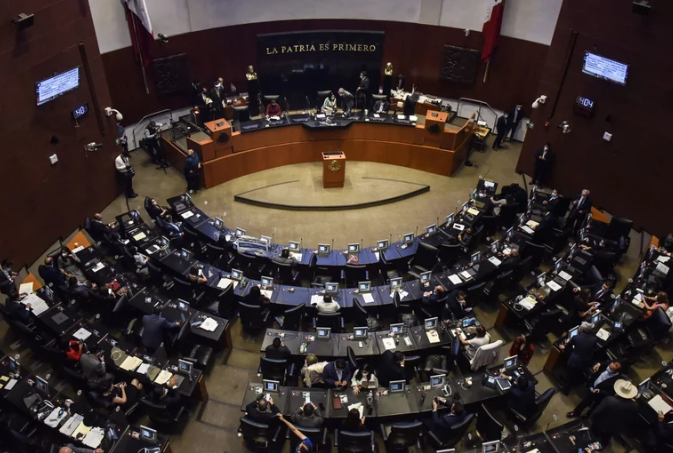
column 333, row 169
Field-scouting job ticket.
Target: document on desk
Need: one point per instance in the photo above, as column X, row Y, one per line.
column 94, row 437
column 402, row 294
column 297, row 256
column 368, row 298
column 637, row 299
column 315, row 299
column 81, row 431
column 187, row 214
column 603, row 334
column 82, row 334
column 71, row 425
column 378, row 256
column 662, row 268
column 98, row 267
column 10, row 385
column 131, row 363
column 209, row 325
column 663, row 258
column 26, row 288
column 496, row 262
column 78, row 249
column 527, row 229
column 163, row 377
column 473, row 211
column 267, row 293
column 389, row 343
column 225, row 282
column 455, row 279
column 37, row 304
column 55, row 417
column 142, row 369
column 659, row 404
column 528, row 303
column 140, row 236
column 532, row 224
column 466, row 275
column 553, row 285
column 359, row 407
column 565, row 276
column 433, row 336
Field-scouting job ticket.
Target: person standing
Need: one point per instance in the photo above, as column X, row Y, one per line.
column 363, row 90
column 204, row 103
column 544, row 162
column 514, row 119
column 580, row 350
column 126, row 172
column 218, row 97
column 192, row 171
column 155, row 327
column 153, row 146
column 617, row 414
column 7, row 278
column 580, row 207
column 347, row 100
column 502, row 127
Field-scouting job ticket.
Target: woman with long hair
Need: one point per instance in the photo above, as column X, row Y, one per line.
column 523, row 348
column 364, row 379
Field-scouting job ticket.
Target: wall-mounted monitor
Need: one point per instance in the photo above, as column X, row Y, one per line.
column 57, row 85
column 604, row 68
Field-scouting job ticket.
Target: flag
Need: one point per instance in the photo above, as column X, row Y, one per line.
column 140, row 29
column 491, row 29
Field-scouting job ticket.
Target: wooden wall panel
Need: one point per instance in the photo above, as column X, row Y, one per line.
column 44, row 202
column 626, row 175
column 416, row 50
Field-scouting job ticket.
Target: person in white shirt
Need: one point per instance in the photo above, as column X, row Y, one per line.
column 141, row 262
column 127, row 173
column 364, row 379
column 311, row 372
column 475, row 343
column 327, row 305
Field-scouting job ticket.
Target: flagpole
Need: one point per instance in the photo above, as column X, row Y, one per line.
column 140, row 53
column 488, row 64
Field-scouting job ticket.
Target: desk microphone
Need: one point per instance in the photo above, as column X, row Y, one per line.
column 301, row 243
column 416, row 234
column 390, row 240
column 332, row 244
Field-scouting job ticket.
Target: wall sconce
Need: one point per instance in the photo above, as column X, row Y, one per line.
column 565, row 127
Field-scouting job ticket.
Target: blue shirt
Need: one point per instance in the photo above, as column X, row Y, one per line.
column 192, row 163
column 307, row 442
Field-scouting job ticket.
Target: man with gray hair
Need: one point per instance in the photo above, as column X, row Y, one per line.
column 580, row 350
column 580, row 208
column 70, row 448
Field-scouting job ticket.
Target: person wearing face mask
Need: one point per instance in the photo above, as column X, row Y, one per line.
column 544, row 161
column 68, row 264
column 363, row 90
column 7, row 278
column 126, row 172
column 364, row 379
column 218, row 96
column 580, row 208
column 155, row 209
column 552, row 202
column 52, row 275
column 329, row 106
column 347, row 100
column 502, row 128
column 513, row 120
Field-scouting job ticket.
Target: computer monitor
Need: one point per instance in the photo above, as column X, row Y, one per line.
column 185, row 254
column 644, row 386
column 449, row 219
column 475, row 257
column 510, row 233
column 218, row 223
column 408, row 238
column 426, row 277
column 148, row 434
column 595, row 318
column 13, row 365
column 397, row 328
column 266, row 239
column 354, row 248
column 42, row 385
column 323, row 249
column 360, row 333
column 558, row 267
column 396, row 284
column 431, row 323
column 511, row 362
column 541, row 279
column 331, row 288
column 270, row 386
column 267, row 282
column 364, row 287
column 397, row 386
column 438, row 380
column 323, row 332
column 382, row 244
column 183, row 305
column 185, row 367
column 236, row 274
column 572, row 332
column 240, row 232
column 491, row 447
column 495, row 246
column 432, row 229
column 293, row 246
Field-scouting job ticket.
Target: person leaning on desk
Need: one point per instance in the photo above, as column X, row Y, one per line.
column 481, row 339
column 70, row 448
column 430, row 298
column 154, row 328
column 277, row 350
column 308, row 415
column 392, row 367
column 445, row 422
column 580, row 350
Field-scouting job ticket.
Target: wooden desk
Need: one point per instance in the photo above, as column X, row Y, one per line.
column 30, row 278
column 422, row 108
column 599, row 216
column 79, row 241
column 654, row 242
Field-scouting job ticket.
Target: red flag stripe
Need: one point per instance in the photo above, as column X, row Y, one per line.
column 492, row 27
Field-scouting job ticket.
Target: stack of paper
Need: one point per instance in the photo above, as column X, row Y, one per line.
column 603, row 334
column 433, row 336
column 209, row 325
column 10, row 385
column 37, row 304
column 527, row 229
column 553, row 285
column 495, row 261
column 564, row 275
column 267, row 293
column 368, row 298
column 94, row 438
column 528, row 303
column 661, row 259
column 187, row 214
column 473, row 211
column 98, row 267
column 26, row 288
column 82, row 334
column 389, row 343
column 163, row 377
column 142, row 369
column 296, row 256
column 131, row 363
column 455, row 279
column 659, row 404
column 466, row 275
column 140, row 236
column 532, row 223
column 225, row 282
column 71, row 425
column 81, row 431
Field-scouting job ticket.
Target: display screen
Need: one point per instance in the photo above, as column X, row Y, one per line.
column 55, row 86
column 604, row 68
column 80, row 111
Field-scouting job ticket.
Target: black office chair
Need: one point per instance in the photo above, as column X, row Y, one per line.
column 260, row 437
column 74, row 377
column 162, row 281
column 424, row 260
column 475, row 294
column 271, row 97
column 284, row 273
column 276, row 369
column 184, row 290
column 411, row 365
column 214, row 254
column 321, row 97
column 541, row 403
column 200, row 355
column 540, row 326
column 252, row 317
column 241, row 114
column 522, row 270
column 318, row 436
column 333, row 320
column 497, row 286
column 536, row 251
column 488, row 427
column 658, row 324
column 291, row 318
column 355, row 273
column 453, row 436
column 192, row 242
column 432, row 310
column 490, row 223
column 449, row 254
column 354, row 441
column 399, row 437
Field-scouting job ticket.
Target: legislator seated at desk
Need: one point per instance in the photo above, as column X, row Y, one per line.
column 273, row 109
column 277, row 350
column 392, row 367
column 337, row 374
column 16, row 310
column 262, row 410
column 440, row 425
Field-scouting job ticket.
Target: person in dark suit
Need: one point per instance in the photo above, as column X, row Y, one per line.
column 167, row 395
column 284, row 258
column 103, row 228
column 466, row 236
column 502, row 127
column 173, row 229
column 308, row 415
column 192, row 171
column 617, row 414
column 363, row 90
column 392, row 368
column 93, row 369
column 277, row 350
column 16, row 309
column 580, row 350
column 261, row 410
column 544, row 162
column 439, row 424
column 580, row 208
column 80, row 291
column 515, row 116
column 354, row 422
column 511, row 262
column 337, row 374
column 255, row 297
column 600, row 293
column 400, row 82
column 381, row 106
column 347, row 100
column 52, row 275
column 552, row 202
column 660, row 435
column 456, row 306
column 7, row 278
column 521, row 397
column 430, row 298
column 154, row 328
column 154, row 209
column 217, row 95
column 601, row 385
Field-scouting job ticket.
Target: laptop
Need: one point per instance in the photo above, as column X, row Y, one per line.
column 511, row 363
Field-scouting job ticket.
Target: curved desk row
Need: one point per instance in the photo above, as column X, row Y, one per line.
column 433, row 146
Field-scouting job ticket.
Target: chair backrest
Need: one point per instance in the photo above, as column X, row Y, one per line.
column 356, row 441
column 241, row 113
column 314, row 434
column 360, row 313
column 273, row 369
column 253, row 431
column 351, row 358
column 250, row 314
column 474, row 293
column 458, row 430
column 404, row 435
column 486, row 355
column 294, row 314
column 541, row 403
column 449, row 254
column 426, row 256
column 658, row 324
column 332, row 320
column 488, row 426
